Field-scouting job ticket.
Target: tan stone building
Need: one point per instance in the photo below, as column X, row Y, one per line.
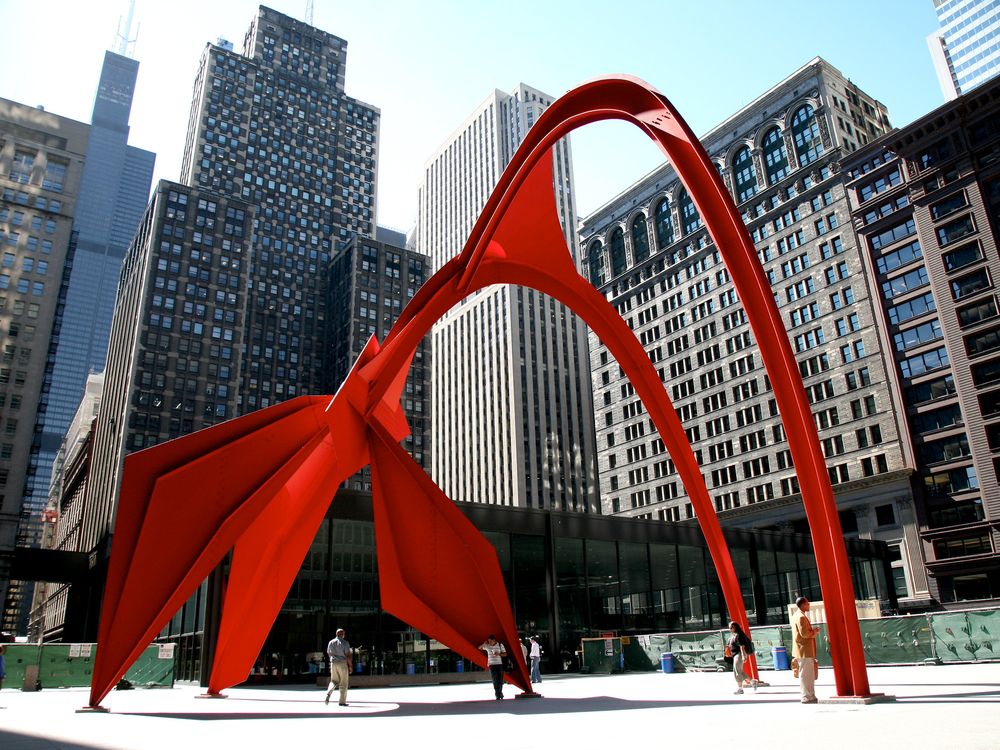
column 41, row 164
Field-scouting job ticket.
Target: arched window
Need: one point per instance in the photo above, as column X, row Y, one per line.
column 640, row 239
column 664, row 224
column 690, row 220
column 595, row 260
column 618, row 260
column 744, row 179
column 805, row 131
column 775, row 156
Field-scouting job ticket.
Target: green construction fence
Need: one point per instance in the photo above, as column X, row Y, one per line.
column 969, row 636
column 71, row 665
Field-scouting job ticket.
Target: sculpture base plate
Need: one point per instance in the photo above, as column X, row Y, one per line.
column 93, row 710
column 862, row 700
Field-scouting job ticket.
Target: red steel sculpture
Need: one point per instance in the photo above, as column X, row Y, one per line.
column 260, row 485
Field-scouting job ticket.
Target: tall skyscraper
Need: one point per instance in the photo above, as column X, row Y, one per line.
column 966, row 47
column 41, row 164
column 114, row 188
column 927, row 208
column 273, row 127
column 113, row 194
column 649, row 253
column 224, row 289
column 174, row 354
column 511, row 416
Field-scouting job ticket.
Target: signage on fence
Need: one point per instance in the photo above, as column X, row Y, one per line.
column 166, row 651
column 609, row 647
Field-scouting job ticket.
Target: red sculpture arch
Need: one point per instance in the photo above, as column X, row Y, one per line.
column 259, row 485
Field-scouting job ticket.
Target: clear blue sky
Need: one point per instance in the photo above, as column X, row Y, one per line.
column 427, row 65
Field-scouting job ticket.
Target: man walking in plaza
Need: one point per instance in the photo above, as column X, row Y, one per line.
column 341, row 663
column 804, row 649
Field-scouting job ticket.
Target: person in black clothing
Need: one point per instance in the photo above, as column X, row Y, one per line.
column 740, row 647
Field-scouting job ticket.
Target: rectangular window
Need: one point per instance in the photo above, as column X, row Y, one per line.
column 971, row 283
column 962, row 256
column 883, row 183
column 949, row 205
column 947, row 449
column 987, row 372
column 926, row 362
column 962, row 547
column 55, row 176
column 892, row 234
column 955, row 230
column 912, row 308
column 899, row 257
column 951, row 483
column 921, row 334
column 906, row 283
column 21, row 166
column 978, row 312
column 987, row 341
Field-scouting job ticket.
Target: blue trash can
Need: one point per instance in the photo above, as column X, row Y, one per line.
column 780, row 656
column 460, row 666
column 411, row 668
column 667, row 663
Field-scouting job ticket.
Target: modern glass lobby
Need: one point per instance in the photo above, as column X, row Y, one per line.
column 569, row 576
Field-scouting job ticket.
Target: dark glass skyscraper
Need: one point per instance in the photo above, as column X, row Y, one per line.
column 113, row 194
column 279, row 169
column 114, row 187
column 273, row 127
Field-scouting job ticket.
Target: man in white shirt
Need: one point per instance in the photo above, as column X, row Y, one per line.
column 536, row 658
column 495, row 653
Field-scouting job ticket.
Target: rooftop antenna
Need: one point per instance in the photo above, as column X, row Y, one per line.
column 310, row 4
column 124, row 44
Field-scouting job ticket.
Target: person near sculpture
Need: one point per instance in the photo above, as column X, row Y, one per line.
column 495, row 652
column 804, row 649
column 341, row 657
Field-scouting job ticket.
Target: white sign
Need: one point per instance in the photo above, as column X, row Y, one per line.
column 85, row 649
column 166, row 651
column 74, row 650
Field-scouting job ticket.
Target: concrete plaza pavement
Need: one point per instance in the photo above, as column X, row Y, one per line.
column 955, row 707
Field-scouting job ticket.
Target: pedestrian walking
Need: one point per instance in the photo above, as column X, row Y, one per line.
column 740, row 646
column 495, row 652
column 536, row 659
column 804, row 650
column 341, row 658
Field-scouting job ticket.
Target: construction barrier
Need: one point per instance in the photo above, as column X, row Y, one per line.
column 968, row 636
column 897, row 640
column 71, row 665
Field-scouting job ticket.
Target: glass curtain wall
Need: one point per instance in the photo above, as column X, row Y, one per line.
column 568, row 577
